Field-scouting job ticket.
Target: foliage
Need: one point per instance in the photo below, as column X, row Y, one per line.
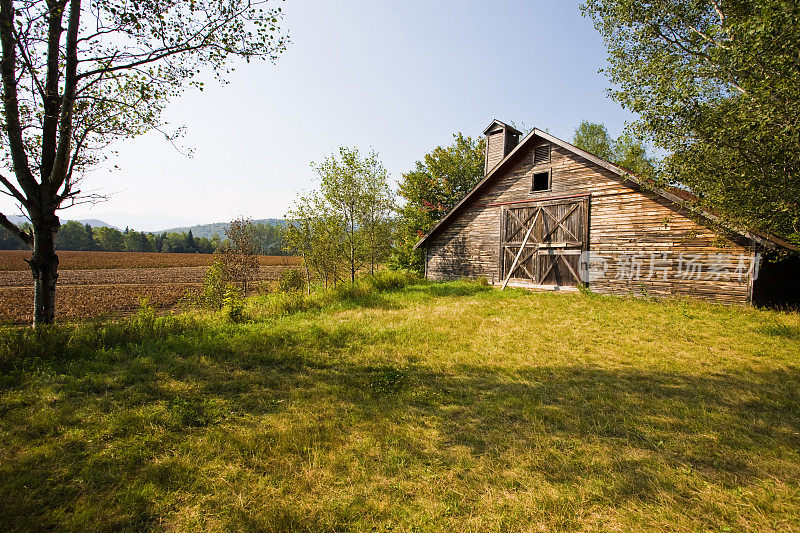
column 717, row 84
column 594, row 138
column 270, row 239
column 389, row 280
column 75, row 236
column 291, row 280
column 316, row 236
column 345, row 223
column 215, row 283
column 626, row 151
column 108, row 239
column 238, row 252
column 431, row 190
column 145, row 317
column 233, row 305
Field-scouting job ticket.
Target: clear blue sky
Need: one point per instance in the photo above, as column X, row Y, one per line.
column 398, row 77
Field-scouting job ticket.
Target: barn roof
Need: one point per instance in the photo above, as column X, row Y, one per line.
column 498, row 124
column 677, row 196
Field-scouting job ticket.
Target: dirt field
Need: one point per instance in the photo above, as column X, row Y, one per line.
column 102, row 284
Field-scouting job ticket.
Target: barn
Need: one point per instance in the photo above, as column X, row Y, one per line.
column 548, row 215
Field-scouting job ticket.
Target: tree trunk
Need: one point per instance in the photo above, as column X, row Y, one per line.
column 352, row 264
column 44, row 267
column 308, row 276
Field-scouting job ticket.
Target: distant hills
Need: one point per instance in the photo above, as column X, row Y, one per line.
column 218, row 228
column 199, row 230
column 93, row 222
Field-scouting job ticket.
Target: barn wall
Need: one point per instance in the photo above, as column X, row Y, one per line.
column 626, row 226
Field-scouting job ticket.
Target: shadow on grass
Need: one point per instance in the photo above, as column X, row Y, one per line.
column 781, row 330
column 112, row 442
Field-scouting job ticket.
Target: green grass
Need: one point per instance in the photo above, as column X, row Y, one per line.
column 419, row 408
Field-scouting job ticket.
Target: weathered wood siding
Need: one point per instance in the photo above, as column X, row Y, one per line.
column 495, row 149
column 624, row 222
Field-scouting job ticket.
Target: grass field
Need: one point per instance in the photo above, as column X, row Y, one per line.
column 108, row 284
column 435, row 407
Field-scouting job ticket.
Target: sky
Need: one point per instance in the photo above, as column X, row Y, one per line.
column 399, row 78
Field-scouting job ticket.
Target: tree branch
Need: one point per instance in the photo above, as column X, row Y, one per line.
column 16, row 143
column 14, row 191
column 59, row 172
column 25, row 237
column 50, row 96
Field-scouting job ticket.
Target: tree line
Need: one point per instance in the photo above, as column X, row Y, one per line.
column 267, row 239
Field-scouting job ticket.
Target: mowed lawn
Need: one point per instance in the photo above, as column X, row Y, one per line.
column 438, row 407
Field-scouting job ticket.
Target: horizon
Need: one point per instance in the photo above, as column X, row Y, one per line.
column 399, row 79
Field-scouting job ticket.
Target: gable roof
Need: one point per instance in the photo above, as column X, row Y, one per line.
column 676, row 196
column 499, row 124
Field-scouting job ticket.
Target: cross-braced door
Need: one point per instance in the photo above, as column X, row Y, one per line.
column 542, row 243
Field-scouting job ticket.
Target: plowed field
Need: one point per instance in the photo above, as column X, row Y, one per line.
column 102, row 284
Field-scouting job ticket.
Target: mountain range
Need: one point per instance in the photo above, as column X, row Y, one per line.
column 218, row 228
column 199, row 230
column 93, row 222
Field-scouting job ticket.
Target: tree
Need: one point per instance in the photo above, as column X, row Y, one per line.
column 136, row 242
column 594, row 138
column 78, row 75
column 348, row 217
column 626, row 151
column 431, row 190
column 190, row 246
column 73, row 236
column 717, row 84
column 270, row 238
column 239, row 252
column 89, row 237
column 315, row 235
column 109, row 239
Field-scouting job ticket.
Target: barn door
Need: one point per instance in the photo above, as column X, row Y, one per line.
column 541, row 243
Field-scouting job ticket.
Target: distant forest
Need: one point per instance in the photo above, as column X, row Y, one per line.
column 73, row 235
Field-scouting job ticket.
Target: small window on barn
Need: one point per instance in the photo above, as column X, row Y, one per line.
column 541, row 154
column 541, row 181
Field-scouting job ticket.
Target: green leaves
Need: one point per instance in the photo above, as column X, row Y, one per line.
column 436, row 185
column 717, row 85
column 346, row 223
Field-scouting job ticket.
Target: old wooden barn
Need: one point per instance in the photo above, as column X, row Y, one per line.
column 549, row 215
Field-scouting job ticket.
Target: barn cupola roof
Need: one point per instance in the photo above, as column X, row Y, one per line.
column 500, row 140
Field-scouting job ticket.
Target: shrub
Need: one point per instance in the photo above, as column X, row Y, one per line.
column 233, row 304
column 291, row 281
column 389, row 280
column 215, row 286
column 145, row 317
column 350, row 291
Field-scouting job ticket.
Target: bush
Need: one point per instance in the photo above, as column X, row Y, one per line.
column 284, row 303
column 350, row 291
column 388, row 280
column 233, row 305
column 215, row 286
column 145, row 317
column 291, row 280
